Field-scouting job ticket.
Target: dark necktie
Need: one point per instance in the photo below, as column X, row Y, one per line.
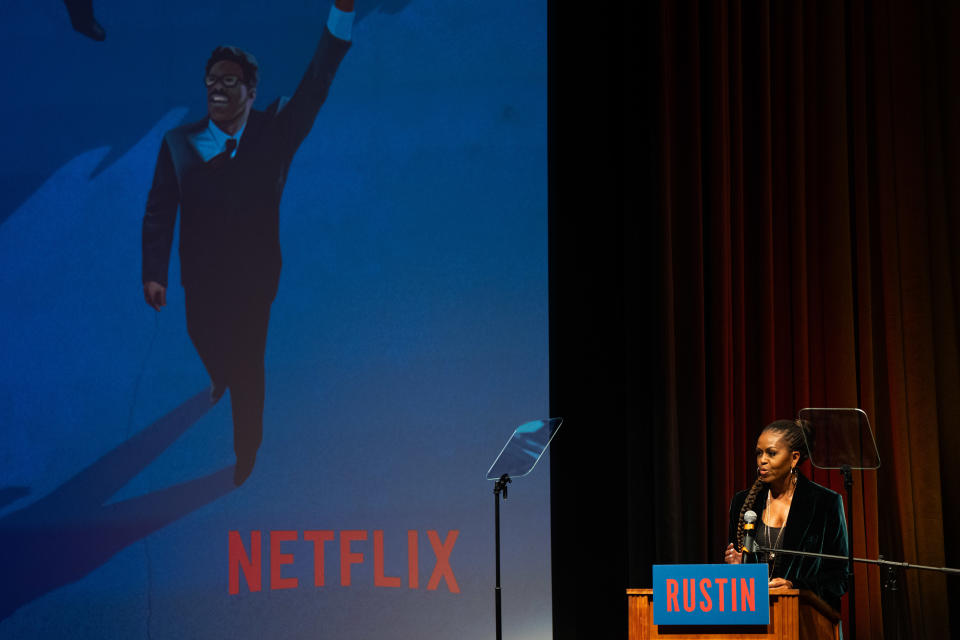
column 223, row 156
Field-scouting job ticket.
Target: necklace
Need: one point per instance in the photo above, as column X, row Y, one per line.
column 771, row 559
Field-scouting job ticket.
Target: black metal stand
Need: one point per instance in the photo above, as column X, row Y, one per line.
column 889, row 564
column 890, row 587
column 890, row 581
column 848, row 485
column 500, row 485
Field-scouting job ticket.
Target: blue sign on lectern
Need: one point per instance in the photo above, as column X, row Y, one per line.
column 693, row 594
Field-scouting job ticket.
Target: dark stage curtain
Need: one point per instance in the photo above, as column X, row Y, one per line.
column 765, row 219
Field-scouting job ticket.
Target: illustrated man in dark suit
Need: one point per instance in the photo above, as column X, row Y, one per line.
column 226, row 175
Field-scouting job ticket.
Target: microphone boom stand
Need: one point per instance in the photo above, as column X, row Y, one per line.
column 881, row 562
column 890, row 566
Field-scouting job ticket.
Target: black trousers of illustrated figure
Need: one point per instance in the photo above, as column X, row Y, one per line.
column 229, row 332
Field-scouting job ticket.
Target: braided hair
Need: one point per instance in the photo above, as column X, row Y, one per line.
column 798, row 436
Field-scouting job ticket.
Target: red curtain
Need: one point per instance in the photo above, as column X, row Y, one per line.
column 807, row 198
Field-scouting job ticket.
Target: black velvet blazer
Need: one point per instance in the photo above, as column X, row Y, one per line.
column 816, row 523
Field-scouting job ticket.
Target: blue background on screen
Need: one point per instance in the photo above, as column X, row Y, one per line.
column 407, row 340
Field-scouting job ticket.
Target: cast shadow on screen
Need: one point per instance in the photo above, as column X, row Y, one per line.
column 9, row 495
column 69, row 533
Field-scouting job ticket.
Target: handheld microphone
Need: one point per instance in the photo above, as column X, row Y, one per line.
column 749, row 526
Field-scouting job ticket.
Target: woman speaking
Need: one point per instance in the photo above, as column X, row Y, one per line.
column 795, row 514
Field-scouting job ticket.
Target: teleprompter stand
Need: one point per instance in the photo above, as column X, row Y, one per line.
column 517, row 458
column 844, row 441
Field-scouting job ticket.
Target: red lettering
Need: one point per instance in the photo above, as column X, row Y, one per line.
column 720, row 583
column 673, row 588
column 413, row 560
column 689, row 594
column 747, row 593
column 318, row 538
column 277, row 560
column 237, row 559
column 705, row 584
column 347, row 557
column 733, row 594
column 442, row 568
column 251, row 565
column 379, row 579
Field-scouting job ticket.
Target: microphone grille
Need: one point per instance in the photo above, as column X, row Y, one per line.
column 750, row 517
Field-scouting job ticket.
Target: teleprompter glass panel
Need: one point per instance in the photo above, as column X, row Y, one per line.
column 841, row 437
column 524, row 448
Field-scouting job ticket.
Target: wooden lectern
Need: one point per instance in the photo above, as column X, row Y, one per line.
column 794, row 615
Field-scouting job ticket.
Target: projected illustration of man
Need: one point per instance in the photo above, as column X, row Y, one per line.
column 226, row 175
